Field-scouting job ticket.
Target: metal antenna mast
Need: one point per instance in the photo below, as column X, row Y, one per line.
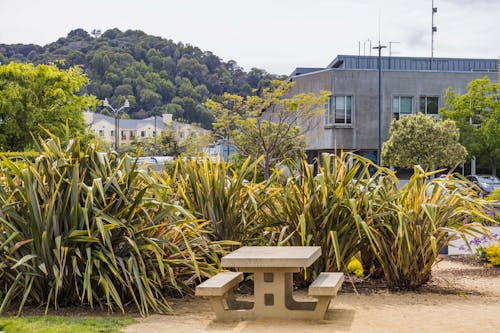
column 434, row 28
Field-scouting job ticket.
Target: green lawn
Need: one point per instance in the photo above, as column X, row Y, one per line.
column 59, row 324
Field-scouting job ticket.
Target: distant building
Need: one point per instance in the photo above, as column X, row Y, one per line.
column 221, row 149
column 409, row 85
column 131, row 130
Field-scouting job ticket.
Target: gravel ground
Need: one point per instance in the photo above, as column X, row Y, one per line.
column 463, row 295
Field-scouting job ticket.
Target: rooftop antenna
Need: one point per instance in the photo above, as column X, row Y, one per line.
column 390, row 48
column 370, row 46
column 391, row 52
column 379, row 15
column 434, row 29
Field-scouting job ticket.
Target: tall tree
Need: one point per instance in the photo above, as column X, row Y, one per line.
column 271, row 124
column 36, row 97
column 425, row 141
column 477, row 114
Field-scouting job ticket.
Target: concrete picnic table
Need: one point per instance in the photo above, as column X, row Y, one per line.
column 272, row 268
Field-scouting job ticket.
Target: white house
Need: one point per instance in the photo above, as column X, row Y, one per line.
column 136, row 129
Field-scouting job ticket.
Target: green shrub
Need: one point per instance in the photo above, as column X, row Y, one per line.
column 222, row 195
column 80, row 227
column 31, row 155
column 413, row 225
column 493, row 254
column 325, row 209
column 355, row 267
column 495, row 195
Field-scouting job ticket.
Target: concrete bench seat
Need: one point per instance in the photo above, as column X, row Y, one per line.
column 219, row 284
column 326, row 284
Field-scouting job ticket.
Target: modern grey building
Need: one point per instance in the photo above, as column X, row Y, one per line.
column 409, row 85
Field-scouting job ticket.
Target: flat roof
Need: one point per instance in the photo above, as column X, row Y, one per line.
column 415, row 64
column 305, row 70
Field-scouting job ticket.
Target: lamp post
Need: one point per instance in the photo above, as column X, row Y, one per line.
column 379, row 141
column 117, row 121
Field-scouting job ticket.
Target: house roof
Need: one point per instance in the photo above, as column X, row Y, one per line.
column 131, row 123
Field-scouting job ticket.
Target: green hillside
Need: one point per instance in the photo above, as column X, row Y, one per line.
column 157, row 75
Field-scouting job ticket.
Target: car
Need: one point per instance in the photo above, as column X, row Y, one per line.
column 487, row 183
column 451, row 183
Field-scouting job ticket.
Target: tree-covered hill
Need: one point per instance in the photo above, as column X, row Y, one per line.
column 156, row 75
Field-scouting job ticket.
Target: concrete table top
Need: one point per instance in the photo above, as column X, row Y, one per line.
column 272, row 256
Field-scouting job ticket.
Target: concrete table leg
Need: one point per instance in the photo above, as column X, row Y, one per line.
column 273, row 292
column 273, row 298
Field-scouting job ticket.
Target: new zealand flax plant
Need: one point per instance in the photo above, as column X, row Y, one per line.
column 229, row 197
column 409, row 228
column 322, row 208
column 78, row 226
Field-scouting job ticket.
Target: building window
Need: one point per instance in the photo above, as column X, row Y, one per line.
column 132, row 135
column 112, row 133
column 429, row 105
column 101, row 132
column 329, row 112
column 154, row 133
column 343, row 111
column 143, row 134
column 123, row 135
column 402, row 106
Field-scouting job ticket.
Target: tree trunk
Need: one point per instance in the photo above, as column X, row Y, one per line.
column 267, row 167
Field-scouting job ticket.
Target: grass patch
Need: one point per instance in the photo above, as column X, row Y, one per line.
column 60, row 324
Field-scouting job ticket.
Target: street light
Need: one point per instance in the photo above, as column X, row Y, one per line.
column 379, row 145
column 115, row 113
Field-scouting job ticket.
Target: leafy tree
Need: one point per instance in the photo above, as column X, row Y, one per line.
column 202, row 91
column 149, row 98
column 78, row 34
column 186, row 89
column 35, row 98
column 123, row 90
column 166, row 144
column 477, row 115
column 100, row 62
column 425, row 141
column 196, row 143
column 175, row 109
column 272, row 124
column 191, row 68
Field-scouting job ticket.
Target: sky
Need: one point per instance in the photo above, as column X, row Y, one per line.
column 275, row 35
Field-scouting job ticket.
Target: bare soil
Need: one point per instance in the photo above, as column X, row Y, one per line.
column 463, row 295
